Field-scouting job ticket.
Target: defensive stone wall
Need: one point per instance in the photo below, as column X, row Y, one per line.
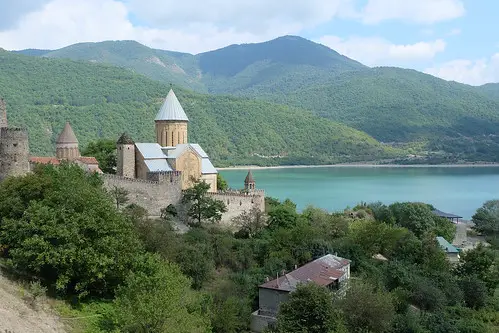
column 152, row 195
column 237, row 202
column 14, row 152
column 165, row 188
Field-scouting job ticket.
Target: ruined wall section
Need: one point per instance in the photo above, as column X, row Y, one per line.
column 237, row 203
column 14, row 152
column 161, row 190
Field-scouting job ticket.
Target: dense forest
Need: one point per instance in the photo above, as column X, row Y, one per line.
column 452, row 121
column 103, row 101
column 115, row 270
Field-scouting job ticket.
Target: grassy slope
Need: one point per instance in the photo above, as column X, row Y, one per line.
column 103, row 101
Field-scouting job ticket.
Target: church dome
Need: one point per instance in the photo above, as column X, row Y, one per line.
column 67, row 135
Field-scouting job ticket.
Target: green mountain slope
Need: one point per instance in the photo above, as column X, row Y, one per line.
column 279, row 65
column 391, row 104
column 103, row 101
column 164, row 66
column 399, row 105
column 490, row 89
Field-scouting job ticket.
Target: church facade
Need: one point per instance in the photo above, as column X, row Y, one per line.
column 171, row 151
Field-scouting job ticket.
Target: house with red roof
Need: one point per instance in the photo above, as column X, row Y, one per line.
column 330, row 271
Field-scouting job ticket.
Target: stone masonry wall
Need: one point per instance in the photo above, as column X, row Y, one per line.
column 151, row 195
column 237, row 203
column 164, row 188
column 14, row 152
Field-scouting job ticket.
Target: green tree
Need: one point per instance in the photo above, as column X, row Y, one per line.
column 104, row 150
column 156, row 298
column 120, row 196
column 367, row 310
column 475, row 291
column 250, row 223
column 70, row 234
column 308, row 310
column 486, row 218
column 201, row 206
column 221, row 183
column 480, row 262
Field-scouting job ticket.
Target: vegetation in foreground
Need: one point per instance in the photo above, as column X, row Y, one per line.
column 61, row 228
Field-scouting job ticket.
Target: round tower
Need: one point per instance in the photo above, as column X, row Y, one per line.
column 14, row 152
column 125, row 159
column 249, row 182
column 171, row 123
column 66, row 146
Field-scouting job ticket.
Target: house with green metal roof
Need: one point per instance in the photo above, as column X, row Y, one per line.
column 450, row 250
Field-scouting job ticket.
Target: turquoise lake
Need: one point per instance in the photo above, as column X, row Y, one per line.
column 459, row 190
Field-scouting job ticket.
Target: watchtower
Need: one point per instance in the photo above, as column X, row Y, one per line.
column 14, row 152
column 249, row 182
column 125, row 162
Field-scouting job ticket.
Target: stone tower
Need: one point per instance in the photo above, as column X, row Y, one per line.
column 125, row 163
column 66, row 146
column 249, row 182
column 171, row 123
column 14, row 147
column 3, row 113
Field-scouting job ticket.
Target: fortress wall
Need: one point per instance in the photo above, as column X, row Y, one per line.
column 14, row 152
column 237, row 203
column 152, row 195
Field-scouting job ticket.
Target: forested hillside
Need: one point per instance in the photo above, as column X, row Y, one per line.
column 393, row 105
column 103, row 101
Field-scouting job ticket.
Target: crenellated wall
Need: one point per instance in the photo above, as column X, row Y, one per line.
column 164, row 188
column 237, row 202
column 152, row 195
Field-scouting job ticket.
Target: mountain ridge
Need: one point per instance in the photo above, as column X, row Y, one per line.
column 394, row 105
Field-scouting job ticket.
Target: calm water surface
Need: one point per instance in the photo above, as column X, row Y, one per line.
column 455, row 190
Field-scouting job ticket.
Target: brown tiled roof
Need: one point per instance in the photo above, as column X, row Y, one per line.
column 67, row 135
column 125, row 139
column 322, row 271
column 249, row 178
column 44, row 160
column 88, row 160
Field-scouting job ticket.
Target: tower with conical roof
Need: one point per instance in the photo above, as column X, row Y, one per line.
column 66, row 146
column 171, row 122
column 125, row 162
column 249, row 182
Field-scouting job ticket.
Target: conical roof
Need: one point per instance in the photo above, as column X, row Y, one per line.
column 125, row 139
column 249, row 178
column 171, row 109
column 67, row 135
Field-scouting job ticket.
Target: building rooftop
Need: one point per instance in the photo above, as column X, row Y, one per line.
column 125, row 139
column 322, row 271
column 67, row 135
column 446, row 215
column 171, row 109
column 249, row 178
column 446, row 246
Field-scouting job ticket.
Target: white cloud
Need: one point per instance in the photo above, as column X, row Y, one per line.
column 475, row 72
column 418, row 11
column 189, row 25
column 12, row 10
column 374, row 51
column 254, row 16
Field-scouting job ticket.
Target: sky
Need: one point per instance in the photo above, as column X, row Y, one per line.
column 452, row 39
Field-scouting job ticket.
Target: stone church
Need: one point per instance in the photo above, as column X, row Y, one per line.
column 153, row 173
column 170, row 152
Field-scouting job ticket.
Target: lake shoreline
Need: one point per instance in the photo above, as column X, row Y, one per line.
column 361, row 165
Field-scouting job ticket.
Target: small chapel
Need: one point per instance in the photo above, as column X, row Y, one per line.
column 170, row 152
